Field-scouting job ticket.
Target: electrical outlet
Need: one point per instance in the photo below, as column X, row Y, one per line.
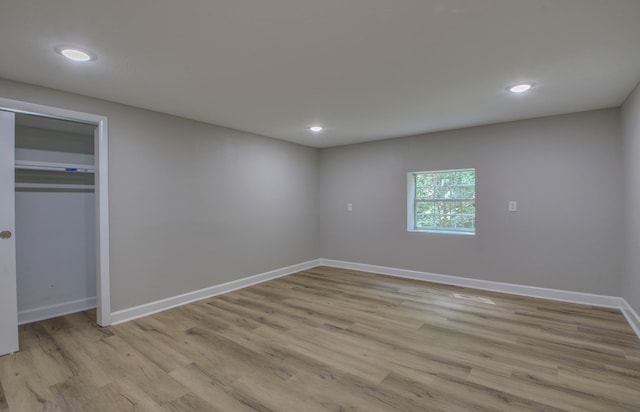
column 513, row 206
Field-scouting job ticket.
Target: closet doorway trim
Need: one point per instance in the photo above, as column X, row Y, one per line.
column 103, row 286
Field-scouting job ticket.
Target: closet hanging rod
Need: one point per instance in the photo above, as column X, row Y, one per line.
column 54, row 166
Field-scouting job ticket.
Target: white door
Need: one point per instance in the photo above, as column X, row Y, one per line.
column 8, row 291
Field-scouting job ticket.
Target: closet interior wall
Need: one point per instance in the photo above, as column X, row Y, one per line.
column 55, row 218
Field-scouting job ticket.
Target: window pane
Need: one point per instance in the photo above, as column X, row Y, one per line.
column 442, row 189
column 425, row 214
column 423, row 190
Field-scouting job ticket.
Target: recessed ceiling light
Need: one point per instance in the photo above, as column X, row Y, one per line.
column 316, row 129
column 75, row 54
column 520, row 88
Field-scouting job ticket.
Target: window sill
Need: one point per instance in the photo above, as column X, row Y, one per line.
column 442, row 232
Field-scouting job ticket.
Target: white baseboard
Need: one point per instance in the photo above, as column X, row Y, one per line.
column 53, row 311
column 632, row 317
column 171, row 302
column 513, row 289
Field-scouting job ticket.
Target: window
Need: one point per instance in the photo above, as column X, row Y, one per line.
column 442, row 201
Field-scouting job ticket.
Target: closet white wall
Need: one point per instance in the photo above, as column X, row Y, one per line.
column 55, row 220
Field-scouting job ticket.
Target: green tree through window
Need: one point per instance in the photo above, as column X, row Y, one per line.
column 443, row 200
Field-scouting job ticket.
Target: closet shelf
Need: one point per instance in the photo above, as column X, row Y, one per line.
column 62, row 186
column 54, row 166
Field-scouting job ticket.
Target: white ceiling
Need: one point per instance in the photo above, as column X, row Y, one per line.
column 365, row 69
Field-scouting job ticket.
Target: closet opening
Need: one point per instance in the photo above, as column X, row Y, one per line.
column 55, row 217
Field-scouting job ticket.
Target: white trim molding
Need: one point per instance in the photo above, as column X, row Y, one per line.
column 150, row 308
column 53, row 311
column 522, row 290
column 632, row 317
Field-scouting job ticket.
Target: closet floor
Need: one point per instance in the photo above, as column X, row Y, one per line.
column 329, row 339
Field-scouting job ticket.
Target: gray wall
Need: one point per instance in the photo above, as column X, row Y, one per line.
column 194, row 205
column 631, row 134
column 565, row 172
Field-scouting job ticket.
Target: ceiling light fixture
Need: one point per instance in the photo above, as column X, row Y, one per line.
column 316, row 129
column 520, row 88
column 74, row 54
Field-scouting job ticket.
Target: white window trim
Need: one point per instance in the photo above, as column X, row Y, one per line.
column 411, row 201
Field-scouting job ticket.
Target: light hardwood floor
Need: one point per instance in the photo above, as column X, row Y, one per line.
column 333, row 340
